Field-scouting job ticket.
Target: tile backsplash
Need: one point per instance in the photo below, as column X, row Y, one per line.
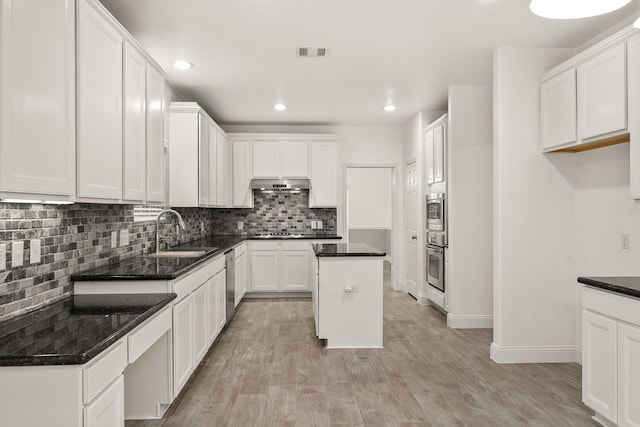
column 77, row 237
column 276, row 212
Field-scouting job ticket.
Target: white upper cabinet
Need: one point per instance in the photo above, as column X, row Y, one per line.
column 37, row 106
column 266, row 159
column 428, row 143
column 633, row 48
column 602, row 94
column 155, row 136
column 435, row 140
column 134, row 124
column 242, row 174
column 324, row 175
column 558, row 110
column 99, row 114
column 199, row 168
column 295, row 159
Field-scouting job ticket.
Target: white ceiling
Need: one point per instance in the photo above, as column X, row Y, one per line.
column 402, row 51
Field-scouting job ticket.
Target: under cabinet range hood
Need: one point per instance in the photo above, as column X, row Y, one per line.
column 280, row 184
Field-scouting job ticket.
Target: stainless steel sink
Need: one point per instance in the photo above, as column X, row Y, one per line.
column 178, row 254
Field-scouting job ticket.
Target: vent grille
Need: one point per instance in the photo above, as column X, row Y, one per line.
column 312, row 52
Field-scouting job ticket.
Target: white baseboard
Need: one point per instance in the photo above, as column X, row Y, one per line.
column 469, row 322
column 534, row 354
column 578, row 354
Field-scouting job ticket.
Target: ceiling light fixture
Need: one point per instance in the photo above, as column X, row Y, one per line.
column 181, row 64
column 279, row 107
column 389, row 108
column 574, row 9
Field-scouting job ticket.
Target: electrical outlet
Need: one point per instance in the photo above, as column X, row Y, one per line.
column 319, row 225
column 17, row 254
column 124, row 237
column 240, row 225
column 3, row 257
column 114, row 239
column 624, row 241
column 34, row 251
column 314, row 224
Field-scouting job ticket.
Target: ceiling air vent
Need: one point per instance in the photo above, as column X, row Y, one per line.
column 312, row 52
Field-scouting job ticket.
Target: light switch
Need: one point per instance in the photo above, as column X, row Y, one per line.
column 124, row 237
column 240, row 225
column 319, row 225
column 314, row 224
column 34, row 251
column 114, row 239
column 17, row 254
column 3, row 257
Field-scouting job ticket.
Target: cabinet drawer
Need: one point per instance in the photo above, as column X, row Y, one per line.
column 104, row 370
column 241, row 249
column 216, row 266
column 611, row 304
column 264, row 246
column 200, row 276
column 183, row 287
column 108, row 408
column 148, row 333
column 295, row 246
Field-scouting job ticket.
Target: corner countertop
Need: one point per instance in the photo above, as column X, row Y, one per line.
column 346, row 250
column 145, row 267
column 626, row 285
column 74, row 330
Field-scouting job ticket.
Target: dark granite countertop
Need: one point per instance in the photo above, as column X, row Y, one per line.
column 145, row 267
column 74, row 330
column 627, row 285
column 294, row 237
column 345, row 249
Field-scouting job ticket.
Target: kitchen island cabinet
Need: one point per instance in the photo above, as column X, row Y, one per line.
column 347, row 295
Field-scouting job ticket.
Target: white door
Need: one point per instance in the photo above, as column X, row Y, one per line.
column 628, row 375
column 155, row 135
column 99, row 113
column 134, row 124
column 411, row 228
column 599, row 364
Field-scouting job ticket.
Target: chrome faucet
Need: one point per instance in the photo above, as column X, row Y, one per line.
column 180, row 221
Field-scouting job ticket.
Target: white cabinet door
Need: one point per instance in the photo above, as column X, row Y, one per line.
column 439, row 156
column 200, row 335
column 99, row 112
column 628, row 375
column 264, row 270
column 295, row 159
column 134, row 124
column 241, row 277
column 266, row 159
column 295, row 270
column 602, row 94
column 313, row 282
column 599, row 364
column 324, row 173
column 203, row 161
column 212, row 308
column 633, row 52
column 107, row 410
column 221, row 287
column 242, row 174
column 37, row 106
column 428, row 149
column 558, row 110
column 155, row 136
column 183, row 356
column 222, row 170
column 212, row 165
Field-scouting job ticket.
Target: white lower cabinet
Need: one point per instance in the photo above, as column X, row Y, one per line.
column 216, row 307
column 241, row 274
column 610, row 354
column 200, row 336
column 108, row 408
column 182, row 344
column 280, row 266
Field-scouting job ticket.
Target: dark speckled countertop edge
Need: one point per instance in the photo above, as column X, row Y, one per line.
column 606, row 283
column 323, row 250
column 86, row 356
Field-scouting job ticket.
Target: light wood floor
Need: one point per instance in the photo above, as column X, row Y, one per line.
column 268, row 369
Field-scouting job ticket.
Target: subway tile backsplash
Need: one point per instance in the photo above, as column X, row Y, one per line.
column 77, row 237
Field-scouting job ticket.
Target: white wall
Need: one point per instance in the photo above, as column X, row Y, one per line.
column 534, row 217
column 369, row 195
column 362, row 146
column 470, row 207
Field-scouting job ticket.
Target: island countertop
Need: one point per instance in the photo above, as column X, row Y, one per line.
column 626, row 285
column 346, row 249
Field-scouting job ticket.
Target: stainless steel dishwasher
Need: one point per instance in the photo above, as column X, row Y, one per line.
column 230, row 265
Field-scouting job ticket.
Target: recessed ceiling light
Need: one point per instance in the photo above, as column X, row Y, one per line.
column 389, row 107
column 181, row 64
column 279, row 107
column 573, row 9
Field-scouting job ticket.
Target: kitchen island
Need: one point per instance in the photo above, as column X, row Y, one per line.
column 346, row 292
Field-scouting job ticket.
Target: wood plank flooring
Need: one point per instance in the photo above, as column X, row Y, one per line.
column 268, row 369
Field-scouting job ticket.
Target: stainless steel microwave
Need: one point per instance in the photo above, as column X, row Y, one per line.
column 436, row 213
